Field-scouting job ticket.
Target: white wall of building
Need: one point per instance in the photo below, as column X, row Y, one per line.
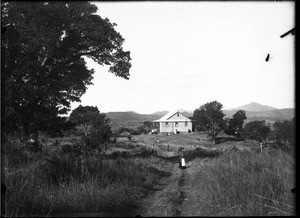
column 180, row 126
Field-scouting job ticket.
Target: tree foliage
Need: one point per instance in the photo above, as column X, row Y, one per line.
column 99, row 136
column 257, row 130
column 84, row 116
column 284, row 131
column 43, row 67
column 235, row 124
column 209, row 117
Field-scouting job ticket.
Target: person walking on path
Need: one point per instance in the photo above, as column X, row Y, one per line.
column 181, row 159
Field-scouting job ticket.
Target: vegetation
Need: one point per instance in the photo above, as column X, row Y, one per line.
column 43, row 71
column 226, row 183
column 209, row 117
column 257, row 130
column 43, row 67
column 54, row 185
column 245, row 184
column 145, row 128
column 100, row 134
column 235, row 124
column 84, row 116
column 284, row 132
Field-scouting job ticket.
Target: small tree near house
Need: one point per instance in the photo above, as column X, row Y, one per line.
column 209, row 117
column 235, row 124
column 98, row 138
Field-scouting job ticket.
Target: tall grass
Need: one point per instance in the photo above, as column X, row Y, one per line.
column 112, row 186
column 246, row 184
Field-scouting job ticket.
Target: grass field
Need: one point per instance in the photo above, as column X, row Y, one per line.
column 218, row 181
column 242, row 183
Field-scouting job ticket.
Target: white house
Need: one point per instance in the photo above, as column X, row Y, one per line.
column 174, row 122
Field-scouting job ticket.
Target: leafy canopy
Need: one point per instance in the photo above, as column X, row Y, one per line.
column 209, row 117
column 84, row 115
column 43, row 67
column 235, row 124
column 100, row 133
column 257, row 130
column 284, row 131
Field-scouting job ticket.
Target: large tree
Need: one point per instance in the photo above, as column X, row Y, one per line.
column 209, row 117
column 284, row 131
column 43, row 67
column 235, row 124
column 84, row 117
column 257, row 130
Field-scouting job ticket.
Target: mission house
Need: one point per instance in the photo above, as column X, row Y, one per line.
column 173, row 122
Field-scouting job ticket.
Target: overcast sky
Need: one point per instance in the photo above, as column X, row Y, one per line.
column 185, row 54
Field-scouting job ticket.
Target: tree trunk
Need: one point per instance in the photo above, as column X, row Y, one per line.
column 214, row 137
column 37, row 145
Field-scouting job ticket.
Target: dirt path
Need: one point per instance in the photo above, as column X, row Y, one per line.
column 173, row 195
column 190, row 202
column 157, row 202
column 176, row 195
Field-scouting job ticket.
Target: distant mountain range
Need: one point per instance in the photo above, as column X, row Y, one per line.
column 253, row 106
column 254, row 111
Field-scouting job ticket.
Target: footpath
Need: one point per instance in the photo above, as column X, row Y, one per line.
column 174, row 194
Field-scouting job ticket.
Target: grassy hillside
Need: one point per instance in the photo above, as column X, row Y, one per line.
column 217, row 181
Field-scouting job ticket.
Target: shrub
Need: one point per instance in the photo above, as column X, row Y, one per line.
column 18, row 153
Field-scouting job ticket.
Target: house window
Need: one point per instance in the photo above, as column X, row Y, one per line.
column 176, row 123
column 167, row 124
column 185, row 123
column 177, row 114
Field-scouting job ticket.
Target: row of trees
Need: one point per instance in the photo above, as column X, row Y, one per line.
column 42, row 65
column 210, row 118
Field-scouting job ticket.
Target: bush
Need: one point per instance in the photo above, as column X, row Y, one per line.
column 16, row 153
column 201, row 153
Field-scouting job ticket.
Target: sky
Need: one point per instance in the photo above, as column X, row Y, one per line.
column 185, row 54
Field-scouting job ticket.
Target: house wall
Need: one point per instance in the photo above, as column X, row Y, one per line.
column 172, row 127
column 164, row 128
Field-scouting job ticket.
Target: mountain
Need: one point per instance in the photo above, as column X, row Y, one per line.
column 131, row 119
column 160, row 113
column 254, row 111
column 253, row 106
column 268, row 115
column 185, row 111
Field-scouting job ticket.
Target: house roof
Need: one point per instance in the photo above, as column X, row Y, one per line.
column 125, row 133
column 171, row 114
